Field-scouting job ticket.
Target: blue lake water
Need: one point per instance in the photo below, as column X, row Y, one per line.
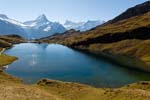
column 37, row 61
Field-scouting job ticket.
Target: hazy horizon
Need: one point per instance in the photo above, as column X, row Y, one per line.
column 60, row 11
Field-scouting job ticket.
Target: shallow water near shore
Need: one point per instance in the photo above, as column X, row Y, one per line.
column 57, row 62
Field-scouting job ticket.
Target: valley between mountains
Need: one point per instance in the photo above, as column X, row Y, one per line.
column 124, row 40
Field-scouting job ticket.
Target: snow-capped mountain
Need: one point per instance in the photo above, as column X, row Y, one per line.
column 82, row 26
column 10, row 26
column 41, row 27
column 72, row 25
column 39, row 21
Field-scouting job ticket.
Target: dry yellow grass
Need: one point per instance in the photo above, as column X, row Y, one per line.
column 5, row 59
column 58, row 90
column 131, row 48
column 75, row 91
column 11, row 88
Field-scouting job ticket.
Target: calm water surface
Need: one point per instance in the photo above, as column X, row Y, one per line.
column 59, row 62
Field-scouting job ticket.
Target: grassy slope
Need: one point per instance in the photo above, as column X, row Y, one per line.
column 75, row 91
column 6, row 42
column 135, row 49
column 5, row 60
column 12, row 88
column 11, row 39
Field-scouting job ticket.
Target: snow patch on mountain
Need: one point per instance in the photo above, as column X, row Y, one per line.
column 82, row 26
column 47, row 29
column 38, row 28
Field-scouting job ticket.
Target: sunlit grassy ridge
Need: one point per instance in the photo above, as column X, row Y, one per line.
column 75, row 91
column 12, row 39
column 7, row 42
column 131, row 48
column 12, row 88
column 5, row 59
column 4, row 43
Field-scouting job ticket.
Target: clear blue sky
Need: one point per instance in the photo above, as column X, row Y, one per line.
column 61, row 10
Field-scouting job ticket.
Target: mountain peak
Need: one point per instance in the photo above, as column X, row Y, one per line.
column 3, row 16
column 42, row 18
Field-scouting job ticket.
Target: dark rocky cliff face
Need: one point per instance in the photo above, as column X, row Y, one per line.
column 140, row 33
column 134, row 11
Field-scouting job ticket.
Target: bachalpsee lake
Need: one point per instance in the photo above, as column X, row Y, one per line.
column 57, row 62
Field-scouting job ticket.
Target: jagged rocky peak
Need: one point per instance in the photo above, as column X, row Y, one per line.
column 3, row 16
column 42, row 18
column 134, row 11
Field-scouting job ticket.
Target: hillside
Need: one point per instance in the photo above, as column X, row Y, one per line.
column 133, row 11
column 125, row 38
column 9, row 40
column 60, row 38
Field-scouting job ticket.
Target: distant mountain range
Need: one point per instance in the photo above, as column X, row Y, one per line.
column 82, row 26
column 40, row 27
